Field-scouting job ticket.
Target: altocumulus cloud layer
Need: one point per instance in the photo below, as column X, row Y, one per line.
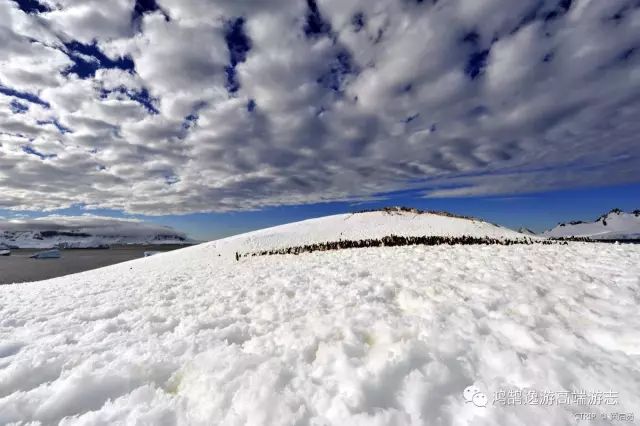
column 198, row 105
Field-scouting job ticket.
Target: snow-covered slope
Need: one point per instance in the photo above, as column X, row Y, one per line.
column 374, row 224
column 384, row 336
column 84, row 231
column 612, row 226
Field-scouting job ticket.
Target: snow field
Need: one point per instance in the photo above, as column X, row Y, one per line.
column 383, row 336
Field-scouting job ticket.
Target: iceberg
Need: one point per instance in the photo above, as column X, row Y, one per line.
column 48, row 254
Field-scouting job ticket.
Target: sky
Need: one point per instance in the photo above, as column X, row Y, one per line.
column 220, row 116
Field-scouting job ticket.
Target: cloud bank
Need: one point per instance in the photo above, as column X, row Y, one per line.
column 178, row 106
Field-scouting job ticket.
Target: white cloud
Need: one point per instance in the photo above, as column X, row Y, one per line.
column 353, row 99
column 88, row 20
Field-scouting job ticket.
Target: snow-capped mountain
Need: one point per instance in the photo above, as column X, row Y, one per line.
column 385, row 336
column 615, row 225
column 526, row 231
column 84, row 232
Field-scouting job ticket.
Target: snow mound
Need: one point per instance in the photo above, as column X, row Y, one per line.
column 615, row 225
column 358, row 226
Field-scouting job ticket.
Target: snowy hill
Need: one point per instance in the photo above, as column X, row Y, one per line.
column 84, row 232
column 611, row 226
column 385, row 336
column 371, row 224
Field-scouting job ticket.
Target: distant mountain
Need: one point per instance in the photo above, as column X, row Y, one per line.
column 84, row 232
column 526, row 231
column 615, row 225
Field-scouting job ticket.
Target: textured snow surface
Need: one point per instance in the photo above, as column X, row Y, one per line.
column 383, row 336
column 619, row 225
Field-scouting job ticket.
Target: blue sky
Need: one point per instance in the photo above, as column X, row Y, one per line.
column 537, row 211
column 185, row 111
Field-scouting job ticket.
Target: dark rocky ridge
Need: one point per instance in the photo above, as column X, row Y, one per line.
column 400, row 209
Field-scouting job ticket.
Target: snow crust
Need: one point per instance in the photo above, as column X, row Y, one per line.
column 619, row 225
column 381, row 336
